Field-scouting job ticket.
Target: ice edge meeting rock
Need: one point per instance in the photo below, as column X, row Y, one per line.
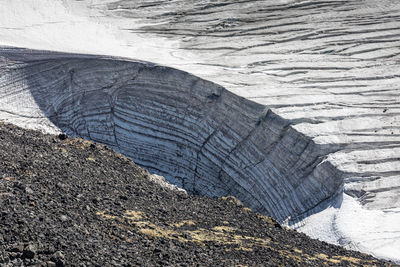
column 195, row 133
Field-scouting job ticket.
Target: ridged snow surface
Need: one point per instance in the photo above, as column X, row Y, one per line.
column 318, row 145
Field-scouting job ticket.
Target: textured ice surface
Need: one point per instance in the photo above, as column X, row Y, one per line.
column 331, row 67
column 191, row 131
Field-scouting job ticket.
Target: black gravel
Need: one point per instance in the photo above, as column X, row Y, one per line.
column 70, row 202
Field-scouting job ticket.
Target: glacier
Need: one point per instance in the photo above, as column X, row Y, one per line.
column 291, row 106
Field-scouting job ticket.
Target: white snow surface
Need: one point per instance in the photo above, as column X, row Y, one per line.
column 348, row 224
column 69, row 26
column 335, row 72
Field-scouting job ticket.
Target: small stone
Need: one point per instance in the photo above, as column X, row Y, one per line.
column 64, row 218
column 157, row 251
column 29, row 251
column 19, row 185
column 13, row 255
column 58, row 255
column 62, row 136
column 49, row 249
column 58, row 258
column 28, row 190
column 96, row 200
column 17, row 248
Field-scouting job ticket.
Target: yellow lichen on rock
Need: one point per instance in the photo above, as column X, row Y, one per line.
column 134, row 215
column 221, row 234
column 224, row 229
column 183, row 223
column 107, row 216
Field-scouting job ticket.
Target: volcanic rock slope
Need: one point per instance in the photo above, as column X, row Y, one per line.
column 71, row 202
column 329, row 68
